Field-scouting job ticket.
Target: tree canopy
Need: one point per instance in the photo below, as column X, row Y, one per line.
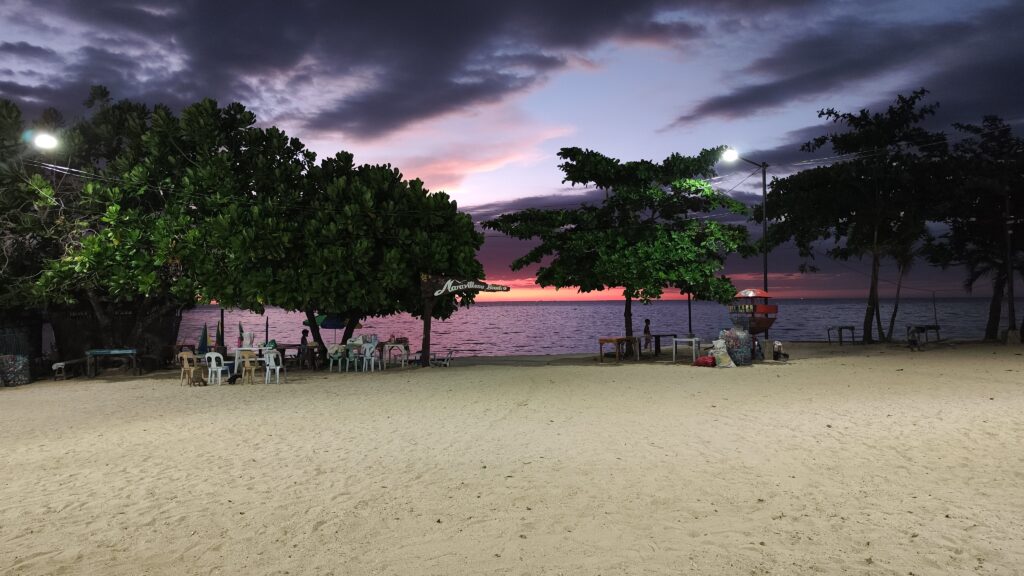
column 168, row 210
column 981, row 209
column 873, row 201
column 650, row 233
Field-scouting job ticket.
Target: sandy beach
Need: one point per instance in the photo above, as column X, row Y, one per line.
column 853, row 460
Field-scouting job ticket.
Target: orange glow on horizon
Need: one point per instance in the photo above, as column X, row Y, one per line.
column 780, row 286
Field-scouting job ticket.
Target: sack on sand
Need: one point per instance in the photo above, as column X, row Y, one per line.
column 722, row 358
column 777, row 352
column 705, row 361
column 739, row 344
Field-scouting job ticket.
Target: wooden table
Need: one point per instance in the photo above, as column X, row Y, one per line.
column 618, row 342
column 657, row 341
column 385, row 353
column 91, row 356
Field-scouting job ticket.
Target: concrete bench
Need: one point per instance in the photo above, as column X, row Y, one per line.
column 61, row 369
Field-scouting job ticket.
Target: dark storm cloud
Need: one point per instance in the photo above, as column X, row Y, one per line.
column 408, row 60
column 847, row 52
column 979, row 75
column 566, row 198
column 985, row 77
column 27, row 51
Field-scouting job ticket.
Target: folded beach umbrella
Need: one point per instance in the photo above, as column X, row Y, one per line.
column 220, row 335
column 204, row 337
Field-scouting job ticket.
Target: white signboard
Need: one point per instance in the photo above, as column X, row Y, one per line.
column 452, row 285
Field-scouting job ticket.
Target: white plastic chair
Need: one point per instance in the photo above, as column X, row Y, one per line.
column 214, row 367
column 369, row 356
column 274, row 364
column 352, row 357
column 335, row 354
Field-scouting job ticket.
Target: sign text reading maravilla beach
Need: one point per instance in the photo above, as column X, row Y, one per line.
column 452, row 285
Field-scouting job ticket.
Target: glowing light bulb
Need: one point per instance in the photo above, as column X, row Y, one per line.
column 45, row 141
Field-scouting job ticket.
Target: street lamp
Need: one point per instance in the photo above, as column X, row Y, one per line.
column 45, row 141
column 42, row 141
column 731, row 155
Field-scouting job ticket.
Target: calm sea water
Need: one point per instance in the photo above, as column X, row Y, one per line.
column 496, row 329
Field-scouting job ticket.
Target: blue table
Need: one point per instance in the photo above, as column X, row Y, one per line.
column 91, row 356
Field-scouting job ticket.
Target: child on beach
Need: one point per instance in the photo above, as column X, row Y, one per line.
column 304, row 348
column 647, row 333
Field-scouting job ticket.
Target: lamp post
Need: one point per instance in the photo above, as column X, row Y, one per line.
column 45, row 141
column 42, row 141
column 731, row 155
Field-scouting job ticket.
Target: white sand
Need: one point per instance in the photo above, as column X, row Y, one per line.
column 852, row 461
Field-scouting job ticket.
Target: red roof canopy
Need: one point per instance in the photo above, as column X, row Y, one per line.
column 752, row 293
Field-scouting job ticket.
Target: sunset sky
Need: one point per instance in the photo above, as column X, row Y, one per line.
column 476, row 98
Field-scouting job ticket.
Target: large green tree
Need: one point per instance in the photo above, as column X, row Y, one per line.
column 439, row 241
column 651, row 232
column 25, row 239
column 874, row 201
column 111, row 235
column 165, row 210
column 982, row 212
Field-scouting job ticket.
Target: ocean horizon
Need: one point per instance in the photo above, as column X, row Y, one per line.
column 561, row 327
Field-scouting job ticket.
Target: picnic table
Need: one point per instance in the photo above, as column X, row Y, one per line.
column 657, row 341
column 915, row 330
column 92, row 357
column 619, row 342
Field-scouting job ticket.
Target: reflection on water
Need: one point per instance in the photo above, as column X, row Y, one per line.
column 495, row 329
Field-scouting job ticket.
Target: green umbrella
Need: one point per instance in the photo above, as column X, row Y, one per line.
column 220, row 335
column 204, row 344
column 319, row 320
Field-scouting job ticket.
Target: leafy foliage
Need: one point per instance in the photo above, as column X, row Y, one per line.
column 643, row 238
column 988, row 169
column 875, row 201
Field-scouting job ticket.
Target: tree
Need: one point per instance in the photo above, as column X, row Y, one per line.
column 24, row 241
column 981, row 210
column 117, row 233
column 646, row 236
column 874, row 202
column 438, row 241
column 349, row 259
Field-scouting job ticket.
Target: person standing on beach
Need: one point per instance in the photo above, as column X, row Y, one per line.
column 303, row 347
column 647, row 333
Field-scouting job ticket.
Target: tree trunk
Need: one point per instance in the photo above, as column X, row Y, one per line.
column 102, row 319
column 151, row 335
column 1011, row 307
column 995, row 308
column 428, row 310
column 872, row 299
column 314, row 328
column 896, row 305
column 350, row 328
column 628, row 317
column 878, row 318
